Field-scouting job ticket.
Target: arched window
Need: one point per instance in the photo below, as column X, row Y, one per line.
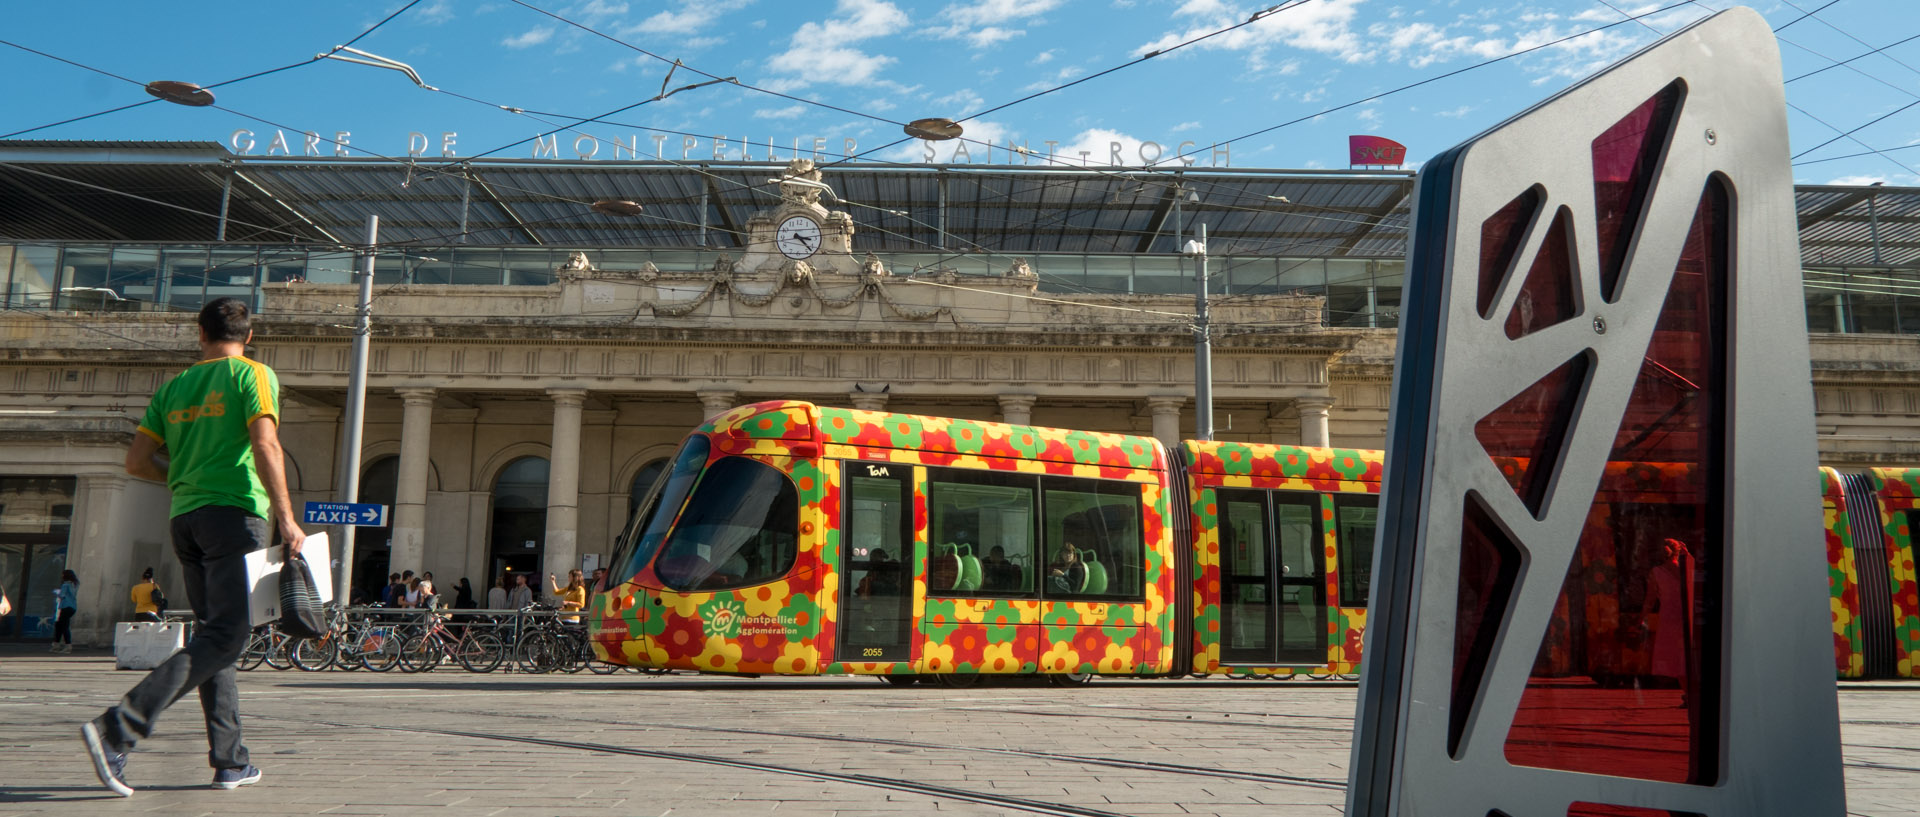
column 642, row 481
column 519, row 529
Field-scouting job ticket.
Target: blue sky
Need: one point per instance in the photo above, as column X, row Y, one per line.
column 904, row 59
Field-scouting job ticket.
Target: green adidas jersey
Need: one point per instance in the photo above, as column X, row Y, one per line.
column 201, row 417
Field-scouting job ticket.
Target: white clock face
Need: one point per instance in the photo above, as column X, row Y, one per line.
column 798, row 237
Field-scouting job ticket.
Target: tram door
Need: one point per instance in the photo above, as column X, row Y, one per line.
column 1273, row 591
column 876, row 553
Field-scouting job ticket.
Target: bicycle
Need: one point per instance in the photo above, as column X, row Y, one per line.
column 545, row 644
column 267, row 645
column 476, row 650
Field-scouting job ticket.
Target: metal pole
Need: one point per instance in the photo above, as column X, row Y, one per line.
column 348, row 483
column 226, row 195
column 1202, row 351
column 1873, row 221
column 466, row 204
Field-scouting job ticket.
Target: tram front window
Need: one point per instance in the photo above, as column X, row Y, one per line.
column 649, row 523
column 740, row 528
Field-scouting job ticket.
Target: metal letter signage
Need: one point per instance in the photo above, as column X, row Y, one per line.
column 1597, row 582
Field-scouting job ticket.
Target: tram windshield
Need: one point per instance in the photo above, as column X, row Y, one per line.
column 649, row 524
column 740, row 528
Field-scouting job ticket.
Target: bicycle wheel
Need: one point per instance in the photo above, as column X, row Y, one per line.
column 481, row 652
column 256, row 651
column 536, row 652
column 421, row 653
column 315, row 654
column 380, row 650
column 280, row 655
column 574, row 654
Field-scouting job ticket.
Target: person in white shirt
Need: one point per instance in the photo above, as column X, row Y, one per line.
column 497, row 596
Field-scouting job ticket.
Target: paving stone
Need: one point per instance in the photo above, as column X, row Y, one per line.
column 367, row 744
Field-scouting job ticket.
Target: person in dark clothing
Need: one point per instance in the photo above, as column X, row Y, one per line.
column 463, row 596
column 219, row 422
column 391, row 594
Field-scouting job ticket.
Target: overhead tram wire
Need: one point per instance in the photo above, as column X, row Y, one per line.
column 1849, row 35
column 257, row 74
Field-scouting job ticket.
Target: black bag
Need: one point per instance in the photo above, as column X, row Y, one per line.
column 158, row 598
column 300, row 614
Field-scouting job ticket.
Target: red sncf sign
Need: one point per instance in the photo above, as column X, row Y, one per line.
column 1374, row 150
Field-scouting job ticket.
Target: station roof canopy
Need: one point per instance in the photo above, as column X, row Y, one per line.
column 174, row 191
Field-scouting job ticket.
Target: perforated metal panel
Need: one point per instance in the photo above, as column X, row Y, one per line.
column 1593, row 591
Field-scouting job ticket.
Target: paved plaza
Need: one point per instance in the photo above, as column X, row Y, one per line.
column 510, row 745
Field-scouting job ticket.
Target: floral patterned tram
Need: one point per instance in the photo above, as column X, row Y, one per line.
column 790, row 538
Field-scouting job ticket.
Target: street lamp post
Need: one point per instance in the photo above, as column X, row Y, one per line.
column 348, row 484
column 1202, row 342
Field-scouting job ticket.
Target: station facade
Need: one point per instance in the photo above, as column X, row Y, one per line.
column 536, row 361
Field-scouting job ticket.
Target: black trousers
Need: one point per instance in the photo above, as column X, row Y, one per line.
column 212, row 543
column 63, row 626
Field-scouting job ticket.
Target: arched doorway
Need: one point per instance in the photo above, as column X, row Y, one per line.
column 642, row 482
column 519, row 529
column 373, row 547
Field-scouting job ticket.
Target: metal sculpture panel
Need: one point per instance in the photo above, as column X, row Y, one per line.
column 1592, row 559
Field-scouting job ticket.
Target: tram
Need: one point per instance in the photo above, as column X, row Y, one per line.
column 797, row 539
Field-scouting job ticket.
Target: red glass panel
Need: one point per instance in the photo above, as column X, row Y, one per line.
column 1523, row 436
column 1489, row 561
column 1625, row 158
column 1633, row 690
column 1600, row 810
column 1500, row 238
column 1546, row 297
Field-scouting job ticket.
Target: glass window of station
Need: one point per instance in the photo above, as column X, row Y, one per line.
column 1355, row 292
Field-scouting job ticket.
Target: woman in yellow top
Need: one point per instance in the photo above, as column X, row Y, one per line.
column 573, row 597
column 143, row 607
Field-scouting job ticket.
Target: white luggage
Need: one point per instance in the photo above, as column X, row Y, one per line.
column 145, row 644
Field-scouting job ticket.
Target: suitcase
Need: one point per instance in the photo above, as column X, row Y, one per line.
column 145, row 644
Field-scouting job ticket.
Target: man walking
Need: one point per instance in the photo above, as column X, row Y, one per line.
column 219, row 423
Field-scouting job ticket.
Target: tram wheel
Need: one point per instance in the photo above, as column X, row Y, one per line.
column 899, row 680
column 1071, row 679
column 959, row 680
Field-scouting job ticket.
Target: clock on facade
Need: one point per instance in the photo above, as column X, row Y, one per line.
column 798, row 237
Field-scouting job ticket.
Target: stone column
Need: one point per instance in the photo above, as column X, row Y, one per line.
column 1313, row 420
column 868, row 400
column 1017, row 409
column 410, row 498
column 563, row 483
column 1166, row 418
column 715, row 401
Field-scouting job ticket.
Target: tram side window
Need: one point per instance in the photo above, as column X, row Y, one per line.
column 1355, row 516
column 1095, row 545
column 740, row 528
column 980, row 534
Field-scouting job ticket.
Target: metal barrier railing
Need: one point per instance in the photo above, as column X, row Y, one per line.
column 376, row 638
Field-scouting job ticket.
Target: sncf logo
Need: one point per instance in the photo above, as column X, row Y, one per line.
column 214, row 406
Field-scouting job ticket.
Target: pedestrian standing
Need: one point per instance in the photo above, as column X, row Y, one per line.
column 497, row 596
column 66, row 603
column 146, row 595
column 390, row 595
column 463, row 595
column 219, row 420
column 521, row 596
column 573, row 597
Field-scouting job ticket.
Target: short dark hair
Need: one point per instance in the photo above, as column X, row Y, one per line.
column 226, row 319
column 393, row 577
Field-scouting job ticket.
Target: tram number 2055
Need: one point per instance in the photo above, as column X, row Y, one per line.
column 873, row 652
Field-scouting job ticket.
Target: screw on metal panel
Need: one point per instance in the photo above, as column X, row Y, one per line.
column 1712, row 137
column 1599, row 325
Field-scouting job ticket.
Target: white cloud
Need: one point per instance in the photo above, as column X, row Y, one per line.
column 1043, row 57
column 787, row 112
column 1369, row 117
column 1456, row 113
column 435, row 13
column 878, row 105
column 1324, row 27
column 1859, row 181
column 989, row 22
column 1184, row 127
column 529, row 38
column 596, row 10
column 824, row 51
column 691, row 16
